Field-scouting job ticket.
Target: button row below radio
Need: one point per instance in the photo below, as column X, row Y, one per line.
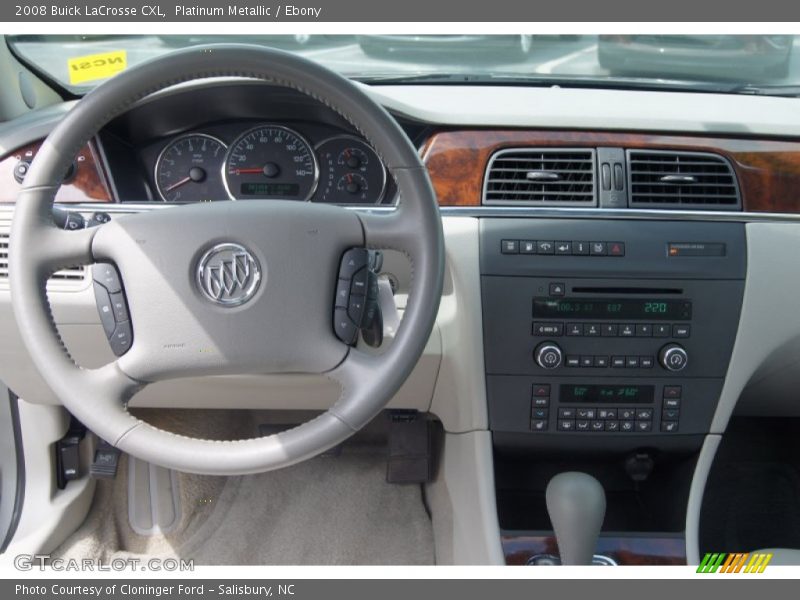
column 616, row 362
column 659, row 330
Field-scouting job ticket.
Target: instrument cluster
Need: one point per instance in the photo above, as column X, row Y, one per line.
column 268, row 161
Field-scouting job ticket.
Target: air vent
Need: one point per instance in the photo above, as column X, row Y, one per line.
column 76, row 274
column 541, row 177
column 689, row 180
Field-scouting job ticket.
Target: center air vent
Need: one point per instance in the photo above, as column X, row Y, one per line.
column 541, row 177
column 687, row 179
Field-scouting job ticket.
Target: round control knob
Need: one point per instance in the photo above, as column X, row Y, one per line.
column 673, row 357
column 547, row 355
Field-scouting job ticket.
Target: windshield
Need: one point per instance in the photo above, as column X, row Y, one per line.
column 727, row 63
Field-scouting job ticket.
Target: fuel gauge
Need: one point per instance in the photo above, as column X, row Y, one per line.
column 350, row 172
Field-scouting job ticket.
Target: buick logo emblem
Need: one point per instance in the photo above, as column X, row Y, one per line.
column 228, row 274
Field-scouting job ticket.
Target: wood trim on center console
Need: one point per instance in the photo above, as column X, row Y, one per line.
column 768, row 170
column 624, row 550
column 88, row 184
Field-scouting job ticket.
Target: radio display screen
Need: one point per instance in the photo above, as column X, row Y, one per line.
column 623, row 309
column 611, row 394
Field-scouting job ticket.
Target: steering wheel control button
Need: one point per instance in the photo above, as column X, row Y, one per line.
column 345, row 329
column 342, row 293
column 121, row 338
column 105, row 308
column 107, row 276
column 119, row 307
column 353, row 261
column 355, row 310
column 112, row 307
column 673, row 357
column 359, row 282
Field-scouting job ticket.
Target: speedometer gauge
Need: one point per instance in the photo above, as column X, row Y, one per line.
column 188, row 169
column 351, row 172
column 270, row 162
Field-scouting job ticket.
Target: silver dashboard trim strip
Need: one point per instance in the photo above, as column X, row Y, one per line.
column 512, row 212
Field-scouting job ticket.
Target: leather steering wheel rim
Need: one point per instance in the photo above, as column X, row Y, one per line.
column 98, row 397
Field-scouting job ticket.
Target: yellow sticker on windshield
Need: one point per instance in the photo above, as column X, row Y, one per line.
column 96, row 66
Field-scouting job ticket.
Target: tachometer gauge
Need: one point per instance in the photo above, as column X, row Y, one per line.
column 189, row 169
column 350, row 172
column 270, row 162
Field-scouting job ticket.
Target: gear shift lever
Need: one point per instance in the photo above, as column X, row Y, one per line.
column 576, row 503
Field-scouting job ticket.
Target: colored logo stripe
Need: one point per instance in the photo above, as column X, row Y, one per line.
column 734, row 563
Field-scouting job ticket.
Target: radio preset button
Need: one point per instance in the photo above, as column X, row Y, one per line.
column 644, row 330
column 627, row 330
column 574, row 329
column 609, row 330
column 591, row 329
column 661, row 330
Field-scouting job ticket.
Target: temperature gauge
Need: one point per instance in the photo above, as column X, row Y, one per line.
column 350, row 172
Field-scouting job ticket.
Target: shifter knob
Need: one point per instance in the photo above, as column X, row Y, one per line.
column 576, row 503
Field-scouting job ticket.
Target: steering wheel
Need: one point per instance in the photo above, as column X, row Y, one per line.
column 284, row 326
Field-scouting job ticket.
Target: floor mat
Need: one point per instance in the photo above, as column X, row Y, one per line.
column 328, row 510
column 752, row 498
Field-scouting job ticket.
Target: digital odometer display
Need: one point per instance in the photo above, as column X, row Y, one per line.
column 270, row 162
column 607, row 394
column 268, row 190
column 627, row 309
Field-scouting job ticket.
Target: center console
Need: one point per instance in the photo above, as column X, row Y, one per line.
column 606, row 347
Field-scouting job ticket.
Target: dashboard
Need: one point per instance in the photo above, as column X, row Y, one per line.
column 571, row 320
